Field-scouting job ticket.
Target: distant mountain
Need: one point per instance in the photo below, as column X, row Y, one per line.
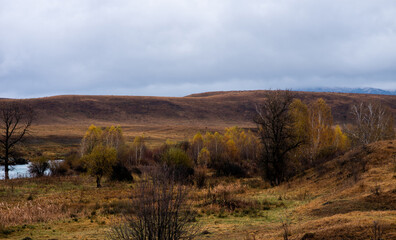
column 352, row 90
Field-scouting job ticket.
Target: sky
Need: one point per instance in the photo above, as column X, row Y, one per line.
column 179, row 47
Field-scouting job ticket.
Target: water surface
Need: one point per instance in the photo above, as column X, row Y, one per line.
column 19, row 171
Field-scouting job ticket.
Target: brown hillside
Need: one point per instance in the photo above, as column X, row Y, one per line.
column 348, row 194
column 206, row 109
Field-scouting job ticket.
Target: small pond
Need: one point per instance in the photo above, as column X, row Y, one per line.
column 19, row 171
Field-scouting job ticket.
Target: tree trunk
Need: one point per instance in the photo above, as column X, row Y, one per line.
column 98, row 182
column 6, row 176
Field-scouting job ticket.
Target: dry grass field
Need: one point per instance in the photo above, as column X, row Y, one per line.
column 339, row 200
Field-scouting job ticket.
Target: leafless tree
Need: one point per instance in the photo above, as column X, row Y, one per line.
column 373, row 122
column 15, row 121
column 278, row 137
column 159, row 212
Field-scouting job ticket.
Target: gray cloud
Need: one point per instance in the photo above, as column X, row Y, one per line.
column 175, row 47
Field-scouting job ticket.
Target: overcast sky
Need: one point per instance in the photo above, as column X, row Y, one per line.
column 178, row 47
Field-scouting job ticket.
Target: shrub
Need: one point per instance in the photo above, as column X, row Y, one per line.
column 179, row 164
column 73, row 161
column 121, row 173
column 200, row 175
column 58, row 168
column 160, row 211
column 227, row 168
column 38, row 166
column 177, row 157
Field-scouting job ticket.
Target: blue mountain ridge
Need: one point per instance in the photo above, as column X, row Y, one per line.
column 350, row 90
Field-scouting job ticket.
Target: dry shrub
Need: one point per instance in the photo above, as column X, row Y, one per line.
column 159, row 211
column 200, row 175
column 256, row 183
column 38, row 166
column 223, row 191
column 224, row 197
column 58, row 168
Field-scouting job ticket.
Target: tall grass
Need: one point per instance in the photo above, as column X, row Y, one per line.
column 31, row 212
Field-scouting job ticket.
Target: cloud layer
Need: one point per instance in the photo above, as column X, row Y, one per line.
column 178, row 47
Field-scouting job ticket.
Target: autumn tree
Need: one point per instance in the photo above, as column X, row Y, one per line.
column 321, row 121
column 97, row 149
column 100, row 162
column 138, row 149
column 204, row 157
column 113, row 137
column 373, row 122
column 15, row 122
column 234, row 138
column 341, row 141
column 251, row 147
column 300, row 156
column 214, row 144
column 91, row 139
column 197, row 144
column 278, row 137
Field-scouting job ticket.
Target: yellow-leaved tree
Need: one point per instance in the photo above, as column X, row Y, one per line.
column 232, row 150
column 197, row 145
column 321, row 120
column 92, row 138
column 204, row 157
column 214, row 144
column 302, row 131
column 112, row 137
column 341, row 141
column 138, row 148
column 100, row 162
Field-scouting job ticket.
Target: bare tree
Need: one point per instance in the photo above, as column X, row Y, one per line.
column 373, row 122
column 159, row 212
column 15, row 121
column 277, row 134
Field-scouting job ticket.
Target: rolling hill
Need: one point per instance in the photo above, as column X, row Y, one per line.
column 209, row 109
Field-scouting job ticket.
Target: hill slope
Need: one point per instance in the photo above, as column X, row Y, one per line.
column 213, row 108
column 347, row 194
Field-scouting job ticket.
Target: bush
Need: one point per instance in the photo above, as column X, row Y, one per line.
column 177, row 157
column 200, row 175
column 58, row 168
column 38, row 166
column 154, row 200
column 121, row 173
column 74, row 162
column 227, row 168
column 178, row 163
